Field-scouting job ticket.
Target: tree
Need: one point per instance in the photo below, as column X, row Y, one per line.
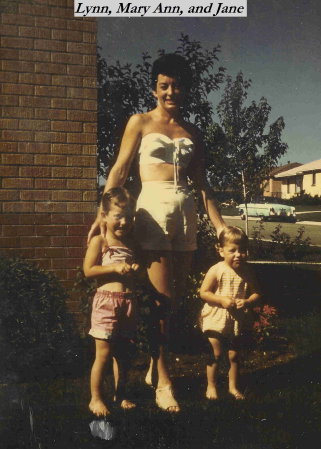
column 125, row 90
column 246, row 146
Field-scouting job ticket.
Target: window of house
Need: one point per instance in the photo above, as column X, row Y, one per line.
column 313, row 178
column 287, row 185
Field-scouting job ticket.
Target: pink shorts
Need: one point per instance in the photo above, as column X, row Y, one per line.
column 113, row 315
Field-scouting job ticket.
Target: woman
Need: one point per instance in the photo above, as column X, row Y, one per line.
column 168, row 150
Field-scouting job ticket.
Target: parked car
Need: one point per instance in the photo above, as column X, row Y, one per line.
column 268, row 211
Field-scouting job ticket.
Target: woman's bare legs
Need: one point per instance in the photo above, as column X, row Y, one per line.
column 103, row 357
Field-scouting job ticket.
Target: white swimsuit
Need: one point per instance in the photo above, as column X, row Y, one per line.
column 166, row 212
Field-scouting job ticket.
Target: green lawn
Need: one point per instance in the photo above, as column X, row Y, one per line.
column 282, row 409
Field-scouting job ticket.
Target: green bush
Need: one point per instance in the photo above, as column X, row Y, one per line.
column 305, row 199
column 37, row 337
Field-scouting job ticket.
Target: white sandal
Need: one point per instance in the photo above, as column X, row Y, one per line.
column 165, row 399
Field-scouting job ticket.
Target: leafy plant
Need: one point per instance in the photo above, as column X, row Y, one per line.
column 265, row 323
column 38, row 336
column 294, row 249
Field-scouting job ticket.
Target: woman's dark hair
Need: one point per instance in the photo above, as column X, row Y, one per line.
column 118, row 196
column 172, row 65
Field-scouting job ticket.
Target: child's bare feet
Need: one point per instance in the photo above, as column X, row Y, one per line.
column 98, row 408
column 237, row 394
column 211, row 393
column 127, row 405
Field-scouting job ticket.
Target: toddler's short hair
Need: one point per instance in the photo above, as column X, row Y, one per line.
column 118, row 196
column 233, row 234
column 172, row 65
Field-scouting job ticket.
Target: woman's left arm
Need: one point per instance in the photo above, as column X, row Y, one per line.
column 198, row 174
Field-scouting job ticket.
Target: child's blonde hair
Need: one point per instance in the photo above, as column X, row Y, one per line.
column 118, row 196
column 233, row 234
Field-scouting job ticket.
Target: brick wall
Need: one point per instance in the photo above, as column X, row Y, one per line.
column 48, row 148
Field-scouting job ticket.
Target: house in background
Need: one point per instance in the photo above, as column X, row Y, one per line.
column 305, row 178
column 272, row 187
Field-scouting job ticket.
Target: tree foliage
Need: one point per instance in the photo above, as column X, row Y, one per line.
column 244, row 147
column 125, row 89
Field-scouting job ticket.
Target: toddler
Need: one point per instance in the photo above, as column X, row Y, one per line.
column 228, row 289
column 111, row 261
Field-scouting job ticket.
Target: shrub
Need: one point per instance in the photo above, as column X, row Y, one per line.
column 265, row 324
column 305, row 199
column 38, row 336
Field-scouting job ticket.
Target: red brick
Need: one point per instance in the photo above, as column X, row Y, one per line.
column 50, row 91
column 16, row 42
column 35, row 219
column 18, row 66
column 82, row 184
column 17, row 183
column 90, row 105
column 67, row 80
column 34, row 78
column 90, row 127
column 82, row 24
column 51, row 230
column 18, row 19
column 90, row 82
column 64, row 148
column 51, row 22
column 9, row 242
column 77, row 230
column 89, row 173
column 66, row 126
column 90, row 38
column 17, row 112
column 25, row 253
column 28, row 55
column 50, row 137
column 44, row 264
column 35, row 10
column 36, row 172
column 9, row 195
column 11, row 231
column 64, row 103
column 81, row 207
column 50, row 183
column 50, row 207
column 69, row 195
column 17, row 135
column 42, row 67
column 35, row 195
column 88, row 219
column 9, row 100
column 90, row 150
column 9, row 170
column 81, row 138
column 64, row 172
column 68, row 58
column 52, row 114
column 65, row 263
column 18, row 89
column 67, row 35
column 18, row 207
column 66, row 241
column 35, row 125
column 50, row 160
column 42, row 33
column 90, row 59
column 67, row 219
column 8, row 123
column 81, row 161
column 9, row 219
column 36, row 241
column 9, row 147
column 90, row 196
column 10, row 53
column 9, row 77
column 50, row 252
column 32, row 147
column 84, row 116
column 75, row 92
column 75, row 252
column 81, row 70
column 50, row 45
column 62, row 12
column 35, row 102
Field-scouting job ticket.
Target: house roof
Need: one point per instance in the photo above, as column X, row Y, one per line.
column 309, row 167
column 285, row 167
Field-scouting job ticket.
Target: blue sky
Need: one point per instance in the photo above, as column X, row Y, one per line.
column 278, row 46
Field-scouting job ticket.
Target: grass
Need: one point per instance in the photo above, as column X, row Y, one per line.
column 282, row 409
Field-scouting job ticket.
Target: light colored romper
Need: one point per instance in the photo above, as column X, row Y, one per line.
column 218, row 319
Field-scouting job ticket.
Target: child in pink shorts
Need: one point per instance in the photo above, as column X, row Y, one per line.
column 111, row 261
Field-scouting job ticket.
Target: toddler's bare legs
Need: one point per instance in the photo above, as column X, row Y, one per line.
column 103, row 357
column 120, row 368
column 211, row 369
column 233, row 375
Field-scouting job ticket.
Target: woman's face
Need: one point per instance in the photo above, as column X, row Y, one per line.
column 169, row 92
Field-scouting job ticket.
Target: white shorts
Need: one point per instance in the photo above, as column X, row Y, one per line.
column 166, row 217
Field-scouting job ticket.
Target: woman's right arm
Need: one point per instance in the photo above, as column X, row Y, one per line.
column 119, row 172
